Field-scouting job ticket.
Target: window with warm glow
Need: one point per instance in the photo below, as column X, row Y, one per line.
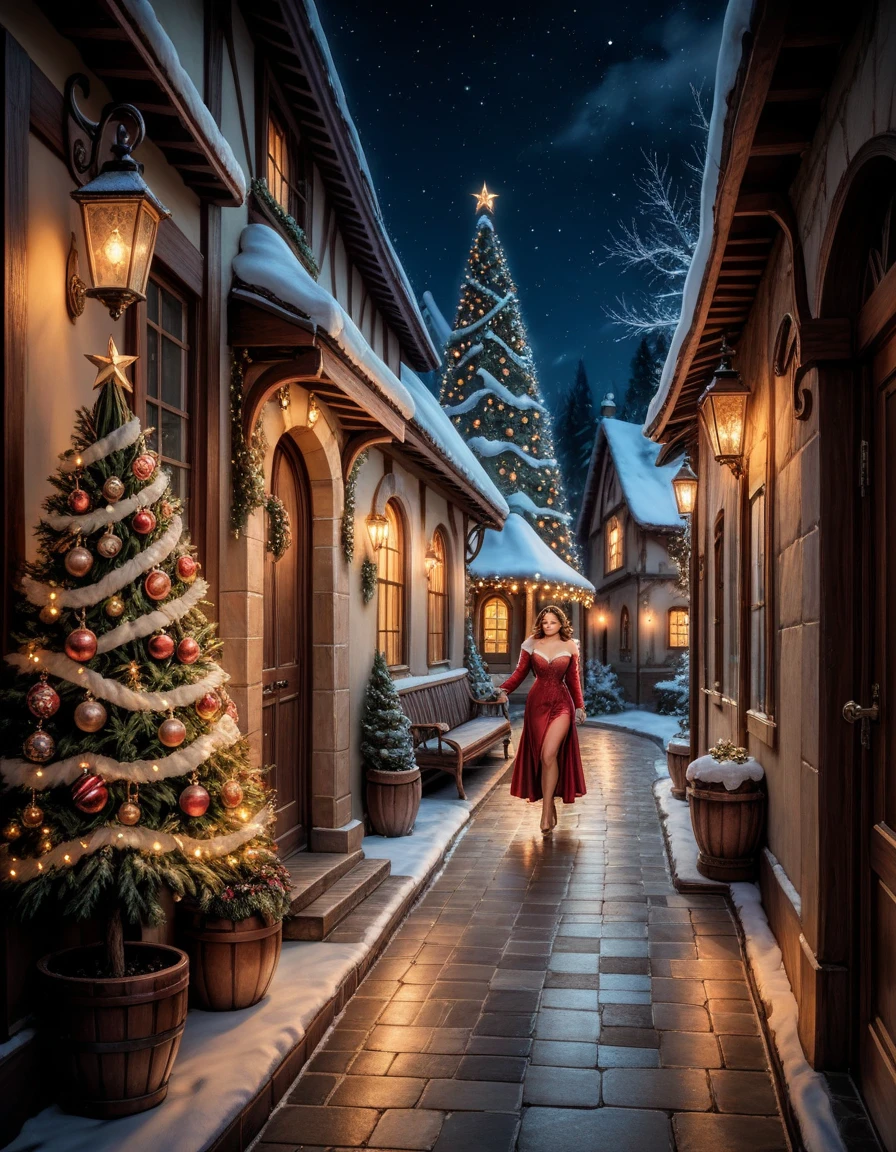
column 625, row 631
column 495, row 627
column 167, row 384
column 391, row 569
column 437, row 603
column 718, row 623
column 614, row 545
column 286, row 174
column 679, row 620
column 758, row 648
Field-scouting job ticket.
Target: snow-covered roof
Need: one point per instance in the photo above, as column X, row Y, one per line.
column 731, row 51
column 439, row 328
column 437, row 428
column 517, row 552
column 267, row 262
column 647, row 488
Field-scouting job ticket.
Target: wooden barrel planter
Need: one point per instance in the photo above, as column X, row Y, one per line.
column 115, row 1040
column 678, row 756
column 728, row 827
column 393, row 800
column 232, row 962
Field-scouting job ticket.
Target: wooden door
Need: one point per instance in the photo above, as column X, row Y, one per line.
column 286, row 696
column 877, row 1040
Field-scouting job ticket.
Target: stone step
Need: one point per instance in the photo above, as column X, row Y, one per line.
column 312, row 873
column 318, row 919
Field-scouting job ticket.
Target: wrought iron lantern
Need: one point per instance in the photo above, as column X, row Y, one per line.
column 431, row 561
column 723, row 407
column 684, row 485
column 378, row 528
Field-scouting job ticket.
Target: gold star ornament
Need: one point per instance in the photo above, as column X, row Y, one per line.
column 485, row 199
column 112, row 367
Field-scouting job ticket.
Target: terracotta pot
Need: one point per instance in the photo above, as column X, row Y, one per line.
column 115, row 1041
column 678, row 756
column 728, row 828
column 232, row 962
column 393, row 800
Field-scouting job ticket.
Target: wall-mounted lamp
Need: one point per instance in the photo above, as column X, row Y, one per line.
column 723, row 407
column 684, row 485
column 378, row 529
column 602, row 620
column 283, row 396
column 431, row 561
column 120, row 214
column 313, row 414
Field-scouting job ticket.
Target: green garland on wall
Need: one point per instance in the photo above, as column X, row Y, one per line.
column 368, row 580
column 348, row 512
column 246, row 459
column 279, row 527
column 288, row 223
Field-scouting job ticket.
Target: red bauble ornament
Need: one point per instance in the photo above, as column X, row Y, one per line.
column 90, row 794
column 80, row 645
column 172, row 733
column 90, row 715
column 39, row 747
column 157, row 584
column 144, row 466
column 187, row 569
column 194, row 800
column 231, row 793
column 143, row 522
column 78, row 561
column 232, row 712
column 161, row 646
column 207, row 706
column 43, row 701
column 188, row 650
column 79, row 501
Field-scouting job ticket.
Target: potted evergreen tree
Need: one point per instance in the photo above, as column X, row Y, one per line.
column 394, row 788
column 124, row 773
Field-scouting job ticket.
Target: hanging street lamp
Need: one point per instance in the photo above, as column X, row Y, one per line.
column 723, row 408
column 378, row 529
column 684, row 485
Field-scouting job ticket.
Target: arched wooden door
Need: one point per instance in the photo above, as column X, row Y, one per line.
column 286, row 695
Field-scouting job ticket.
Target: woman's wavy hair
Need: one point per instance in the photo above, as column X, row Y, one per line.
column 565, row 626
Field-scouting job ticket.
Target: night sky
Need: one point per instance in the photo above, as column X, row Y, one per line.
column 551, row 104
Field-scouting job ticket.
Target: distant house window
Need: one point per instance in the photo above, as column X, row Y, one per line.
column 678, row 627
column 758, row 650
column 625, row 631
column 391, row 568
column 495, row 627
column 285, row 170
column 168, row 383
column 437, row 603
column 614, row 544
column 718, row 554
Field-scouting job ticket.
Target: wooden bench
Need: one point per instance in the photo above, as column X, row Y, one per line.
column 450, row 726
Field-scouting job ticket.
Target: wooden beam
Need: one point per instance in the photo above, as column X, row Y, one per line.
column 255, row 323
column 779, row 142
column 878, row 312
column 367, row 400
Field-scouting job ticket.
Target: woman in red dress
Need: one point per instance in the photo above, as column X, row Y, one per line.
column 547, row 757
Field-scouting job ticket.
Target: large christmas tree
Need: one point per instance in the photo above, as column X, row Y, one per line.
column 123, row 769
column 490, row 390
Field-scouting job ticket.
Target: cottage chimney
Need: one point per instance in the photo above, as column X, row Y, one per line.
column 608, row 406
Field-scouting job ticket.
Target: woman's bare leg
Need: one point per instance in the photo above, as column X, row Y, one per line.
column 550, row 766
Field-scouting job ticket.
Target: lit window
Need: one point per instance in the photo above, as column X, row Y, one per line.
column 285, row 176
column 167, row 384
column 495, row 627
column 758, row 652
column 679, row 620
column 614, row 545
column 391, row 590
column 437, row 603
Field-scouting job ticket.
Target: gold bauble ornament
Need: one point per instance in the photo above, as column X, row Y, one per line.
column 32, row 816
column 129, row 813
column 114, row 607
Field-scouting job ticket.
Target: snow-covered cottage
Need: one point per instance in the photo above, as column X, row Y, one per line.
column 275, row 305
column 640, row 617
column 794, row 553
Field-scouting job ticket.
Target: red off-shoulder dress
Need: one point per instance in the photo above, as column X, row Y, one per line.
column 556, row 691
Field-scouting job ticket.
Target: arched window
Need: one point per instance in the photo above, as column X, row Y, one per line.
column 437, row 602
column 391, row 578
column 495, row 627
column 613, row 534
column 679, row 620
column 625, row 631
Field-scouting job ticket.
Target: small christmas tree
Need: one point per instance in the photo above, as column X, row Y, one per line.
column 480, row 682
column 673, row 696
column 123, row 770
column 603, row 692
column 386, row 742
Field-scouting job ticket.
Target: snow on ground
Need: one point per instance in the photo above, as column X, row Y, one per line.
column 639, row 722
column 647, row 488
column 517, row 552
column 675, row 816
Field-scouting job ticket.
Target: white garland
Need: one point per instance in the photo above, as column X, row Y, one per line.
column 147, row 840
column 122, row 437
column 110, row 514
column 152, row 621
column 58, row 664
column 22, row 774
column 117, row 579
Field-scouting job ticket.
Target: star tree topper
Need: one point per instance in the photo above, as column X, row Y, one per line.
column 112, row 367
column 485, row 199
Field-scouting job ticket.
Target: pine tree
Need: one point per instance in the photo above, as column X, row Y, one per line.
column 575, row 431
column 673, row 696
column 490, row 390
column 602, row 692
column 386, row 742
column 123, row 768
column 644, row 378
column 480, row 682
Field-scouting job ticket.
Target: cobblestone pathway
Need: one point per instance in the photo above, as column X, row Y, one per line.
column 549, row 995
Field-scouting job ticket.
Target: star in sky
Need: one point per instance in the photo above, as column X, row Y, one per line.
column 112, row 367
column 485, row 199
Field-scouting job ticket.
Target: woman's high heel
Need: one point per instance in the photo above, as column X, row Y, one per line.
column 553, row 814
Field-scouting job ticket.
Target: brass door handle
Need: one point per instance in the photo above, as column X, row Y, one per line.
column 855, row 714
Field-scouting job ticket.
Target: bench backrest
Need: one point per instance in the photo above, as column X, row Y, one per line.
column 440, row 700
